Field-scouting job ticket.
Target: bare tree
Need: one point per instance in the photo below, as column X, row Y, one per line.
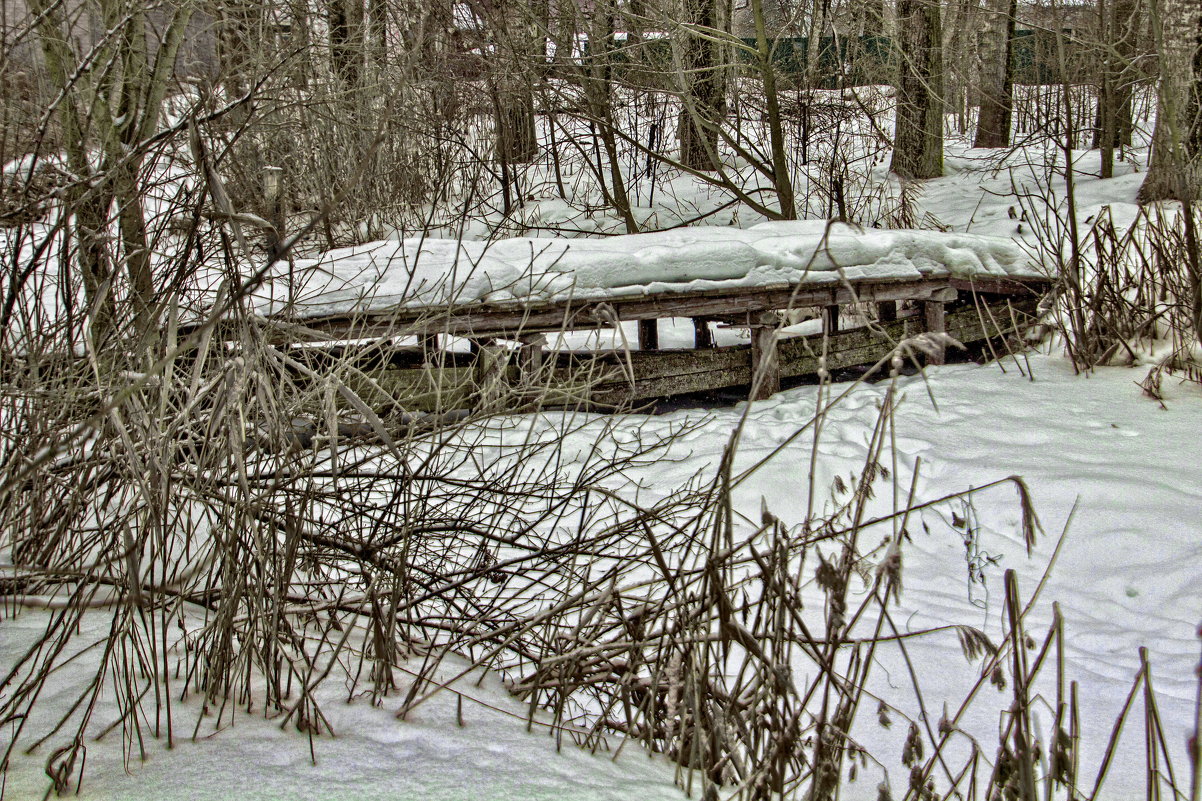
column 918, row 136
column 1173, row 172
column 110, row 102
column 702, row 83
column 1120, row 29
column 996, row 80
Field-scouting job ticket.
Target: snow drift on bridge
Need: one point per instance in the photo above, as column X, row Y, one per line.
column 440, row 272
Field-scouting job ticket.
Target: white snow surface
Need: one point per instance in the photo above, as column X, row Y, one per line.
column 425, row 271
column 1128, row 575
column 481, row 751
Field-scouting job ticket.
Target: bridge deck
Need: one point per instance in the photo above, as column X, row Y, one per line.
column 510, row 340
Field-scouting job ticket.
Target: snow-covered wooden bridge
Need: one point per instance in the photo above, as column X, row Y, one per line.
column 760, row 305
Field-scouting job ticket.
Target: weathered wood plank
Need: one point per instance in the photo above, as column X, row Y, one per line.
column 1000, row 286
column 484, row 320
column 830, row 320
column 667, row 374
column 417, row 389
column 765, row 361
column 530, row 357
column 604, row 379
column 934, row 318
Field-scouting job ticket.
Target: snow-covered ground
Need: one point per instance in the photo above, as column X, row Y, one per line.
column 1116, row 471
column 1128, row 574
column 1094, row 451
column 443, row 751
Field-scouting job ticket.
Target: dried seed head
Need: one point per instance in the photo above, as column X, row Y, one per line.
column 1062, row 757
column 945, row 725
column 882, row 715
column 912, row 749
column 997, row 678
column 890, row 569
column 827, row 576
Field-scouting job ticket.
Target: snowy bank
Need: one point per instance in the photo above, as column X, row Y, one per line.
column 437, row 272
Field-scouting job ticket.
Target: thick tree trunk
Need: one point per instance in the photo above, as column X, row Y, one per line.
column 918, row 135
column 703, row 88
column 517, row 138
column 1175, row 170
column 996, row 79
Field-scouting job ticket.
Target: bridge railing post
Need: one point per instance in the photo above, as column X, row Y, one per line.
column 765, row 358
column 648, row 334
column 934, row 316
column 530, row 357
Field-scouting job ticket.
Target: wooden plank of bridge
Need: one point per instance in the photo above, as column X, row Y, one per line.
column 506, row 318
column 429, row 345
column 490, row 371
column 674, row 372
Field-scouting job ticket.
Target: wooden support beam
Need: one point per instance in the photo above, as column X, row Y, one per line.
column 531, row 357
column 886, row 311
column 765, row 359
column 935, row 319
column 703, row 337
column 673, row 372
column 491, row 361
column 830, row 320
column 648, row 334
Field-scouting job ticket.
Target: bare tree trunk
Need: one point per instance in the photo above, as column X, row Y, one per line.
column 703, row 87
column 819, row 26
column 1173, row 172
column 959, row 62
column 1120, row 34
column 523, row 47
column 517, row 140
column 918, row 135
column 996, row 80
column 347, row 42
column 780, row 160
column 377, row 35
column 598, row 85
column 111, row 103
column 239, row 30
